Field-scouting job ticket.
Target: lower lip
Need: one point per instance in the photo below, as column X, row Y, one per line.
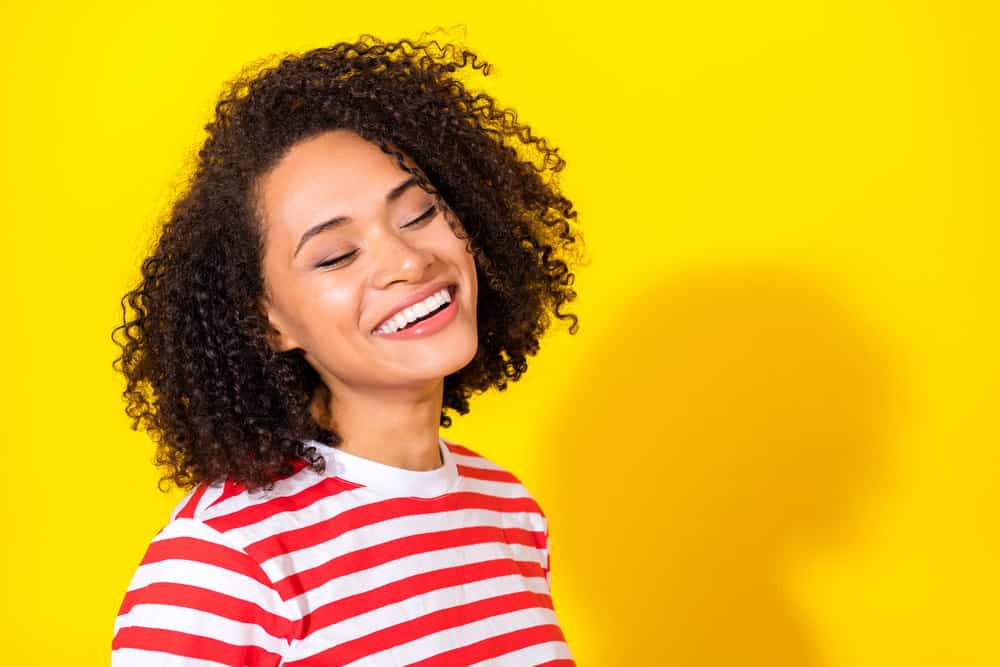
column 432, row 324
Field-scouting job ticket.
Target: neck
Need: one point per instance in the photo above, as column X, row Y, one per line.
column 396, row 428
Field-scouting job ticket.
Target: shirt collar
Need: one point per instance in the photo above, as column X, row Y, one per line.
column 389, row 480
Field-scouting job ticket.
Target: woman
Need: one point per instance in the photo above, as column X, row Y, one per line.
column 358, row 250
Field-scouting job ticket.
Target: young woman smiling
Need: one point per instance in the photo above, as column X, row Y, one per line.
column 357, row 252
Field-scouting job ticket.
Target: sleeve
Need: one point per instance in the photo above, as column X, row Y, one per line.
column 198, row 599
column 546, row 555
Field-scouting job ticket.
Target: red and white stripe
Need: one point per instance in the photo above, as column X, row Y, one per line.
column 324, row 570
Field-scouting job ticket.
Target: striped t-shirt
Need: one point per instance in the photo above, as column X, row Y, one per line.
column 366, row 565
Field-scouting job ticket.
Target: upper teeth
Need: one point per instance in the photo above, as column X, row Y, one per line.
column 415, row 312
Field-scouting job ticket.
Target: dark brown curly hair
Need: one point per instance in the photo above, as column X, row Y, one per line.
column 201, row 376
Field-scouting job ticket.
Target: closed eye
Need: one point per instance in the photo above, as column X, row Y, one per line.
column 426, row 214
column 343, row 258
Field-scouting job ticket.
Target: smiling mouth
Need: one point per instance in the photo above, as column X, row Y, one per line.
column 421, row 319
column 451, row 294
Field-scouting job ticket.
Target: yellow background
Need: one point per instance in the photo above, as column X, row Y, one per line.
column 774, row 440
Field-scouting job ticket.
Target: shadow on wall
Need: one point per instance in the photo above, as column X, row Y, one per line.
column 725, row 426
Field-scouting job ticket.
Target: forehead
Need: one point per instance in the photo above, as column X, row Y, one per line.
column 333, row 173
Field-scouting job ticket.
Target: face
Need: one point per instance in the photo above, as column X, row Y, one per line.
column 394, row 246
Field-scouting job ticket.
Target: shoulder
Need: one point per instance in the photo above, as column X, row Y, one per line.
column 197, row 593
column 471, row 463
column 485, row 475
column 198, row 502
column 210, row 549
column 228, row 507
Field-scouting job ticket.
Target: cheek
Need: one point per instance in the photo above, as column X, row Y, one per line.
column 452, row 247
column 330, row 306
column 341, row 304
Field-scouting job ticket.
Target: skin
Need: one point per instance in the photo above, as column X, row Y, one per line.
column 384, row 396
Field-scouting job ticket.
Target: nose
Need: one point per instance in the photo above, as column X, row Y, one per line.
column 399, row 258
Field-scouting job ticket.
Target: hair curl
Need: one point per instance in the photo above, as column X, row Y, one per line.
column 201, row 376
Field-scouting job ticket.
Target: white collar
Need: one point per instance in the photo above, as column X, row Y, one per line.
column 389, row 480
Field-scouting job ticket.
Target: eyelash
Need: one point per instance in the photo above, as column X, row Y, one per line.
column 338, row 260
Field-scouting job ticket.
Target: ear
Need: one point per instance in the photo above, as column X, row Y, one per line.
column 277, row 336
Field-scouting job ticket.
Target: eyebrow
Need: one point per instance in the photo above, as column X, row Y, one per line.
column 390, row 197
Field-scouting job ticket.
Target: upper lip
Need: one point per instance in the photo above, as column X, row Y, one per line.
column 416, row 297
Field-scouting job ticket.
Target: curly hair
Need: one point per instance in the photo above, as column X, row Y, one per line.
column 202, row 379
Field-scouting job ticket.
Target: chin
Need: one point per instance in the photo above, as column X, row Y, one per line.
column 460, row 355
